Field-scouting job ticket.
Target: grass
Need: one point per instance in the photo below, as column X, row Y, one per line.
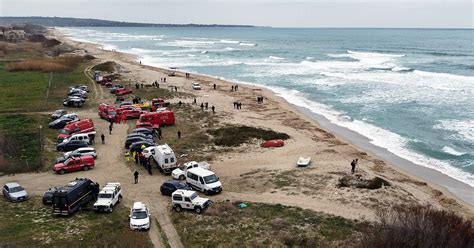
column 108, row 66
column 26, row 91
column 58, row 64
column 31, row 224
column 262, row 225
column 20, row 138
column 21, row 50
column 237, row 135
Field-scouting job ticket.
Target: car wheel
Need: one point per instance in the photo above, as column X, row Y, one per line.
column 119, row 199
column 198, row 210
column 86, row 168
column 177, row 208
column 181, row 177
column 61, row 172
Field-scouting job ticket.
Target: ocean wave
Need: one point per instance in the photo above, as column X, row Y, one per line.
column 451, row 151
column 276, row 58
column 247, row 44
column 463, row 129
column 374, row 54
column 229, row 41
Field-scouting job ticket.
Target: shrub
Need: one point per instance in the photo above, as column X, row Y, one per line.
column 237, row 135
column 108, row 66
column 60, row 64
column 419, row 226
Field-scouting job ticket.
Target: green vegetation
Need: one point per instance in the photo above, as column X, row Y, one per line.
column 108, row 66
column 237, row 135
column 263, row 225
column 31, row 224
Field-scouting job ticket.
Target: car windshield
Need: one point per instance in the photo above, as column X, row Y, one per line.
column 112, row 113
column 181, row 186
column 193, row 196
column 67, row 161
column 16, row 189
column 103, row 195
column 139, row 215
column 211, row 179
column 64, row 131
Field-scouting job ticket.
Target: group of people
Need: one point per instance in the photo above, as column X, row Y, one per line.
column 139, row 158
column 138, row 86
column 156, row 84
column 205, row 105
column 259, row 99
column 234, row 88
column 237, row 105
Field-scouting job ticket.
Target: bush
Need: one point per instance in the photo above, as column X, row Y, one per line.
column 237, row 135
column 419, row 226
column 108, row 66
column 60, row 64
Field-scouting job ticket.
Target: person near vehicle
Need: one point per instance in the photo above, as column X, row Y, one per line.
column 102, row 137
column 179, row 134
column 148, row 167
column 127, row 156
column 92, row 137
column 354, row 164
column 110, row 129
column 135, row 176
column 136, row 157
column 159, row 134
column 124, row 118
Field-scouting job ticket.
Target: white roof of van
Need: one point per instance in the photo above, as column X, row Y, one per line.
column 138, row 205
column 164, row 149
column 201, row 171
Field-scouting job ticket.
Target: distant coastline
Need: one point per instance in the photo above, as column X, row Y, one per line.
column 83, row 22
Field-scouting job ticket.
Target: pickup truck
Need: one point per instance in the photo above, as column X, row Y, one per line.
column 109, row 196
column 180, row 173
column 75, row 164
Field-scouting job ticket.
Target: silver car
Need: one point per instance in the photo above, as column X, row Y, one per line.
column 14, row 192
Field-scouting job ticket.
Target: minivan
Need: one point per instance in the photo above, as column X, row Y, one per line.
column 79, row 136
column 203, row 180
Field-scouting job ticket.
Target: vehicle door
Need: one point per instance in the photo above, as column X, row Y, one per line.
column 202, row 185
column 187, row 203
column 74, row 144
column 5, row 191
column 74, row 164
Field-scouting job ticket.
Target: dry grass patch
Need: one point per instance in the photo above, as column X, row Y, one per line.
column 60, row 64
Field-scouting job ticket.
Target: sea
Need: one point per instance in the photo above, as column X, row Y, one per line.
column 409, row 91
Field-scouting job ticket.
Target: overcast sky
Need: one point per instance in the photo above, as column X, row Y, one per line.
column 277, row 13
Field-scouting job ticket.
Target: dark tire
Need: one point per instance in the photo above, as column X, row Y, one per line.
column 61, row 172
column 86, row 168
column 119, row 199
column 198, row 210
column 177, row 208
column 206, row 192
column 181, row 177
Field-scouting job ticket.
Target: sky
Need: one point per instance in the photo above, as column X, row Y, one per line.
column 276, row 13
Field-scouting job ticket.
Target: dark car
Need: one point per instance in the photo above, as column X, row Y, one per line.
column 58, row 113
column 71, row 145
column 168, row 187
column 144, row 131
column 73, row 102
column 48, row 196
column 146, row 136
column 62, row 122
column 137, row 146
column 134, row 139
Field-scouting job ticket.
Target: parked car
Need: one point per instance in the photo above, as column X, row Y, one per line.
column 137, row 146
column 109, row 196
column 126, row 103
column 196, row 86
column 145, row 136
column 145, row 131
column 163, row 156
column 75, row 195
column 75, row 164
column 58, row 113
column 116, row 87
column 70, row 155
column 14, row 192
column 180, row 173
column 84, row 151
column 62, row 121
column 203, row 180
column 134, row 139
column 132, row 113
column 82, row 87
column 48, row 196
column 83, row 126
column 74, row 102
column 170, row 186
column 71, row 145
column 188, row 199
column 123, row 91
column 139, row 217
column 78, row 136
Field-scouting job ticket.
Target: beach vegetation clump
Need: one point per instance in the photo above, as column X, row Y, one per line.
column 237, row 135
column 59, row 64
column 108, row 66
column 419, row 226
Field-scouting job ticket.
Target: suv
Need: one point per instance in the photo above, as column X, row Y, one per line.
column 196, row 86
column 109, row 196
column 74, row 164
column 58, row 113
column 71, row 145
column 188, row 199
column 62, row 121
column 180, row 173
column 83, row 151
column 139, row 217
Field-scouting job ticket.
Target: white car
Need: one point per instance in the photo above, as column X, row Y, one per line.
column 139, row 217
column 180, row 173
column 14, row 192
column 196, row 86
column 109, row 196
column 82, row 151
column 188, row 199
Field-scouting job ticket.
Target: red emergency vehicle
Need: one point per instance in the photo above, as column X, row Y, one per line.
column 157, row 119
column 82, row 126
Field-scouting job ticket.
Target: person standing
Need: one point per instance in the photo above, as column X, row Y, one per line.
column 194, row 102
column 148, row 167
column 92, row 137
column 213, row 109
column 179, row 134
column 232, row 88
column 354, row 164
column 110, row 129
column 207, row 105
column 102, row 137
column 215, row 86
column 176, row 89
column 159, row 134
column 135, row 176
column 136, row 157
column 202, row 106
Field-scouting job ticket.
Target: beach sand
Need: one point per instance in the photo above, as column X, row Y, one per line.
column 251, row 173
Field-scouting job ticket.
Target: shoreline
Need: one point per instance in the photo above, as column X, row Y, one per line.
column 449, row 186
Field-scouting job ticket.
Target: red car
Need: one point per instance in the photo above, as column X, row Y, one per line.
column 82, row 126
column 157, row 119
column 75, row 164
column 108, row 113
column 273, row 143
column 133, row 113
column 123, row 91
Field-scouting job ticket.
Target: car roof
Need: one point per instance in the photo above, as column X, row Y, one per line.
column 183, row 192
column 174, row 182
column 138, row 206
column 12, row 184
column 85, row 149
column 201, row 171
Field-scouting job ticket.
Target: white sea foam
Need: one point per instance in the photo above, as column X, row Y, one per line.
column 463, row 129
column 248, row 44
column 275, row 57
column 451, row 151
column 230, row 41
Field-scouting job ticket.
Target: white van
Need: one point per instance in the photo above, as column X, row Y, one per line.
column 79, row 136
column 163, row 156
column 203, row 180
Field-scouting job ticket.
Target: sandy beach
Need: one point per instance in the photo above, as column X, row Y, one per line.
column 248, row 172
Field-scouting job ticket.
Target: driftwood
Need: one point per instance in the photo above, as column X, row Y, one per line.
column 358, row 182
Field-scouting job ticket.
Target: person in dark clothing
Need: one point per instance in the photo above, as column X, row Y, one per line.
column 235, row 104
column 102, row 137
column 135, row 176
column 92, row 137
column 157, row 85
column 141, row 85
column 236, row 87
column 202, row 106
column 176, row 89
column 137, row 158
column 194, row 102
column 179, row 134
column 159, row 134
column 215, row 86
column 207, row 105
column 164, row 80
column 110, row 129
column 232, row 88
column 148, row 167
column 213, row 109
column 354, row 164
column 180, row 103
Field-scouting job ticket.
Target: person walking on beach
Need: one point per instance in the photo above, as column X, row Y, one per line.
column 215, row 86
column 232, row 88
column 176, row 89
column 235, row 104
column 213, row 109
column 236, row 87
column 207, row 105
column 354, row 164
column 102, row 137
column 135, row 176
column 179, row 134
column 202, row 106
